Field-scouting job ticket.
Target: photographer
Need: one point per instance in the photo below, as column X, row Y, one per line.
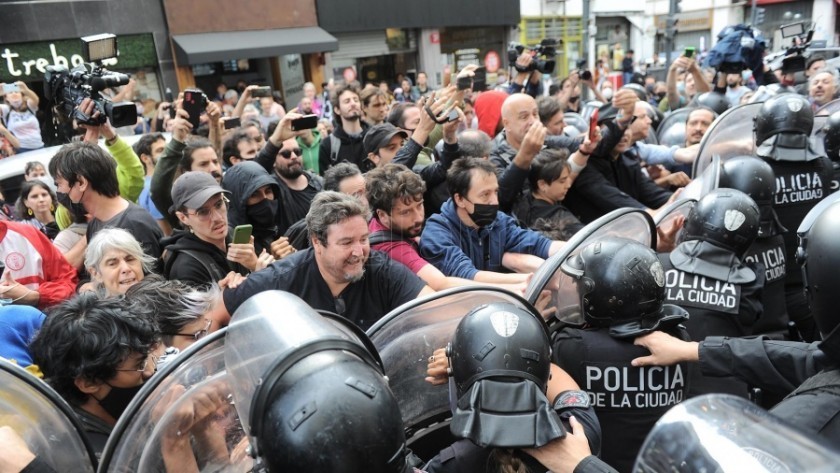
column 694, row 82
column 19, row 117
column 526, row 80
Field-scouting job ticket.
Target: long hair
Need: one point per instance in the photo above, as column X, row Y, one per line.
column 506, row 462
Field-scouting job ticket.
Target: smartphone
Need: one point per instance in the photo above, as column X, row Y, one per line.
column 264, row 91
column 194, row 103
column 480, row 79
column 593, row 125
column 169, row 98
column 10, row 88
column 464, row 83
column 689, row 52
column 306, row 122
column 234, row 122
column 242, row 234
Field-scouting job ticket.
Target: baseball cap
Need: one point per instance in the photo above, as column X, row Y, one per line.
column 192, row 189
column 378, row 136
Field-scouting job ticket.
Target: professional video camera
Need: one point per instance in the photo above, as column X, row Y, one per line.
column 794, row 58
column 67, row 88
column 543, row 56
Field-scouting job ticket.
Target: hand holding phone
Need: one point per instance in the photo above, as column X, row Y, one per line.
column 689, row 52
column 194, row 104
column 259, row 92
column 10, row 88
column 242, row 234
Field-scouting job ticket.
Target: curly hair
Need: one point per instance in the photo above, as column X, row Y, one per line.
column 391, row 182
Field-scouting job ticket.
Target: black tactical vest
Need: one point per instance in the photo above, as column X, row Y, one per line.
column 770, row 253
column 628, row 400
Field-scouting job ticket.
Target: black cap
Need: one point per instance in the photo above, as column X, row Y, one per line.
column 378, row 136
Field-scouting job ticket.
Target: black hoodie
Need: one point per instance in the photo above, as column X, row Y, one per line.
column 242, row 180
column 203, row 265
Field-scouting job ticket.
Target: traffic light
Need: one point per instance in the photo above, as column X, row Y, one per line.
column 759, row 16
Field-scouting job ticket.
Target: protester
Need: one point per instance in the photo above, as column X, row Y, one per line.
column 115, row 261
column 36, row 207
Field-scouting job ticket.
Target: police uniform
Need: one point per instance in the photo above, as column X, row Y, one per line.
column 628, row 400
column 769, row 252
column 465, row 456
column 717, row 306
column 799, row 187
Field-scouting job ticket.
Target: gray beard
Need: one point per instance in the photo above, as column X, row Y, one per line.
column 352, row 278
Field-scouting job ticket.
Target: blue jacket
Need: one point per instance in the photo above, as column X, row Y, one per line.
column 458, row 250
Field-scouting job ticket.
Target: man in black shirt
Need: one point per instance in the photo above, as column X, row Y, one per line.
column 338, row 273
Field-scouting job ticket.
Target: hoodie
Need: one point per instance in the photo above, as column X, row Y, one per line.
column 351, row 150
column 243, row 180
column 210, row 266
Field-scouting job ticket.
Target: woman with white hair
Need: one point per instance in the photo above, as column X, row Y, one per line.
column 116, row 261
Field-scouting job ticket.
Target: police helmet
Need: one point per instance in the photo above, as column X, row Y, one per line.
column 755, row 178
column 727, row 218
column 788, row 114
column 639, row 90
column 831, row 129
column 820, row 257
column 331, row 411
column 714, row 100
column 621, row 285
column 500, row 357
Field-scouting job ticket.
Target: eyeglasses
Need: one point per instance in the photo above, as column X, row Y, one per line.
column 204, row 213
column 287, row 153
column 143, row 367
column 197, row 335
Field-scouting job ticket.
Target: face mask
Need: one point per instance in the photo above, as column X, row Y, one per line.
column 262, row 213
column 76, row 208
column 681, row 87
column 607, row 93
column 16, row 103
column 484, row 214
column 118, row 399
column 573, row 99
column 661, row 95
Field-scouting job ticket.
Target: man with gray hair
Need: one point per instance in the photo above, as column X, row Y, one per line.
column 338, row 273
column 474, row 144
column 822, row 88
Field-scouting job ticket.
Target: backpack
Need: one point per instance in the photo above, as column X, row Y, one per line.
column 335, row 145
column 204, row 259
column 384, row 236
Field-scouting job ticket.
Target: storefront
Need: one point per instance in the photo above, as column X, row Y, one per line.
column 483, row 46
column 778, row 13
column 374, row 56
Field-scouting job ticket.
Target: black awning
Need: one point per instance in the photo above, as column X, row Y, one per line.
column 217, row 47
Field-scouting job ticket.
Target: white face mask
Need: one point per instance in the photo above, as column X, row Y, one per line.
column 607, row 93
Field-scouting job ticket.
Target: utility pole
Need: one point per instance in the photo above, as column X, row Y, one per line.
column 671, row 29
column 585, row 27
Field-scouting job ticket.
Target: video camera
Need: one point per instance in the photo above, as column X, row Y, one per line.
column 544, row 55
column 794, row 60
column 68, row 88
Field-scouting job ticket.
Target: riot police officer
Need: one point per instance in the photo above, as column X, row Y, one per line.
column 500, row 358
column 621, row 286
column 783, row 128
column 810, row 371
column 707, row 276
column 831, row 141
column 755, row 178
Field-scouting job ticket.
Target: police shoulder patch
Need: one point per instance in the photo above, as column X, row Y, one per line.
column 570, row 399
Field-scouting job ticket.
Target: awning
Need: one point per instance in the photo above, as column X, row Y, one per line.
column 217, row 47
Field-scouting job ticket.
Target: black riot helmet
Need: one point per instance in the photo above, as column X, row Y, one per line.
column 831, row 140
column 331, row 411
column 621, row 285
column 787, row 114
column 819, row 254
column 713, row 100
column 500, row 357
column 755, row 178
column 727, row 218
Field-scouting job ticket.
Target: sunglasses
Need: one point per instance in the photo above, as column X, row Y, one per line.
column 287, row 153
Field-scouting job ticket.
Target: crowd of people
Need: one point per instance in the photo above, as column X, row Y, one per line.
column 399, row 192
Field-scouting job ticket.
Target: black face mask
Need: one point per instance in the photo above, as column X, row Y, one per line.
column 661, row 95
column 484, row 214
column 118, row 399
column 262, row 213
column 573, row 99
column 76, row 208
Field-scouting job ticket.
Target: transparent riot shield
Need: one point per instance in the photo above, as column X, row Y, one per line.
column 828, row 108
column 704, row 182
column 730, row 135
column 190, row 397
column 576, row 125
column 562, row 299
column 44, row 421
column 818, row 134
column 671, row 131
column 673, row 211
column 406, row 337
column 589, row 108
column 721, row 433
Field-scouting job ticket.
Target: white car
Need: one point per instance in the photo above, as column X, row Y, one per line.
column 12, row 168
